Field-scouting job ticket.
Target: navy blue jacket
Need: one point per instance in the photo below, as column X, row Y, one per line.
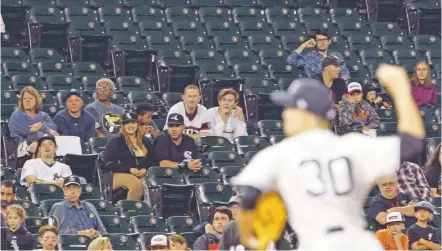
column 83, row 127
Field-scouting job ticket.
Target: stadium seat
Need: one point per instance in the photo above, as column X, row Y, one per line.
column 185, row 28
column 307, row 3
column 129, row 208
column 158, row 176
column 216, row 14
column 263, row 42
column 388, row 128
column 379, row 29
column 147, row 13
column 392, row 42
column 387, row 115
column 192, row 42
column 235, row 56
column 359, row 74
column 423, row 17
column 33, row 223
column 282, row 69
column 249, row 155
column 208, row 144
column 171, row 98
column 239, row 3
column 374, row 57
column 116, row 224
column 69, row 3
column 20, row 81
column 220, row 73
column 134, row 3
column 201, row 57
column 73, row 242
column 251, row 28
column 103, row 207
column 180, row 224
column 205, row 175
column 226, row 29
column 338, row 15
column 82, row 69
column 245, row 14
column 219, row 159
column 11, row 68
column 360, row 42
column 100, row 3
column 190, row 237
column 114, row 14
column 50, row 68
column 307, row 13
column 14, row 54
column 245, row 71
column 269, row 57
column 426, row 42
column 60, row 82
column 257, row 102
column 432, row 129
column 32, row 210
column 120, row 27
column 287, row 28
column 210, row 196
column 47, row 204
column 276, row 139
column 227, row 172
column 178, row 14
column 162, row 43
column 133, row 83
column 279, row 13
column 6, row 84
column 88, row 191
column 142, row 223
column 313, row 26
column 169, row 3
column 291, row 43
column 121, row 241
column 7, row 173
column 9, row 98
column 38, row 55
column 7, row 110
column 175, row 70
column 223, row 43
column 270, row 127
column 40, row 192
column 89, row 82
column 246, row 144
column 351, row 28
column 407, row 58
column 159, row 28
column 434, row 57
column 98, row 144
column 141, row 96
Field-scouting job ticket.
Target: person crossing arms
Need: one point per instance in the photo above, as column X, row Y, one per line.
column 330, row 174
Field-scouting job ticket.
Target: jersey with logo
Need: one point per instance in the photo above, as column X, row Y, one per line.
column 39, row 169
column 323, row 179
column 193, row 125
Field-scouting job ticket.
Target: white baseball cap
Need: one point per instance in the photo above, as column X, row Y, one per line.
column 353, row 87
column 158, row 241
column 394, row 217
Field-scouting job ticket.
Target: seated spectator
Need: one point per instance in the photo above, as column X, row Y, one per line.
column 17, row 236
column 177, row 242
column 45, row 169
column 175, row 149
column 210, row 241
column 412, row 181
column 330, row 78
column 234, row 205
column 371, row 96
column 48, row 236
column 129, row 156
column 106, row 114
column 355, row 114
column 148, row 128
column 432, row 172
column 421, row 235
column 423, row 89
column 392, row 238
column 227, row 120
column 74, row 120
column 159, row 242
column 75, row 216
column 388, row 201
column 193, row 113
column 7, row 198
column 312, row 60
column 100, row 243
column 29, row 122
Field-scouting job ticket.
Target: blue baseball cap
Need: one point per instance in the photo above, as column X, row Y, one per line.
column 70, row 93
column 425, row 205
column 306, row 94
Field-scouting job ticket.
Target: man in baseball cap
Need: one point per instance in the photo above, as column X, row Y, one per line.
column 329, row 77
column 175, row 119
column 421, row 234
column 392, row 238
column 74, row 120
column 159, row 242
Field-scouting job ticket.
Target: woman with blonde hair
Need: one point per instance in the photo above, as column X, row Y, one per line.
column 101, row 243
column 29, row 122
column 129, row 156
column 423, row 88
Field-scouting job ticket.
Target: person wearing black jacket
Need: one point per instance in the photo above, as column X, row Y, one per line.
column 17, row 237
column 128, row 157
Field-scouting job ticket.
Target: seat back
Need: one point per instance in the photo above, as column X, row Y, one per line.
column 219, row 159
column 122, row 241
column 214, row 143
column 141, row 224
column 180, row 224
column 205, row 175
column 245, row 144
column 227, row 172
column 270, row 127
column 158, row 176
column 129, row 208
column 104, row 207
column 40, row 192
column 73, row 242
column 115, row 224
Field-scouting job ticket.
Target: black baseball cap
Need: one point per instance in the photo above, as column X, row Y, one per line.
column 176, row 119
column 73, row 179
column 70, row 93
column 129, row 117
column 330, row 61
column 306, row 94
column 44, row 137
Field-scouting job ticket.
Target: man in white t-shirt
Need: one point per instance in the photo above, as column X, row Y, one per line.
column 319, row 173
column 45, row 169
column 194, row 114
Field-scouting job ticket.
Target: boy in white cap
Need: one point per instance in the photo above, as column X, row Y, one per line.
column 392, row 238
column 159, row 242
column 423, row 236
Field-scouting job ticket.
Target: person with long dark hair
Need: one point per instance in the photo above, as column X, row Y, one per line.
column 422, row 87
column 432, row 172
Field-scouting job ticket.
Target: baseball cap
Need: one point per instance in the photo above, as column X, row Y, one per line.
column 158, row 241
column 394, row 217
column 73, row 179
column 175, row 118
column 70, row 93
column 44, row 137
column 306, row 94
column 330, row 60
column 234, row 200
column 354, row 87
column 425, row 205
column 129, row 117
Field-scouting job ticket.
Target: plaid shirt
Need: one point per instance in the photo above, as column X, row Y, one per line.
column 412, row 181
column 312, row 62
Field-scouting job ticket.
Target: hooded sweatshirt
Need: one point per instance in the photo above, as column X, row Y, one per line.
column 21, row 239
column 354, row 116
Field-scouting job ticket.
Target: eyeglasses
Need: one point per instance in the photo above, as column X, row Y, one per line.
column 322, row 40
column 104, row 88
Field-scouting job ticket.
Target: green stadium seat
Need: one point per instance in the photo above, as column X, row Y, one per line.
column 192, row 42
column 159, row 28
column 32, row 210
column 235, row 56
column 97, row 144
column 133, row 83
column 186, row 28
column 270, row 127
column 104, row 207
column 426, row 42
column 82, row 69
column 280, row 13
column 180, row 224
column 14, row 54
column 48, row 68
column 40, row 192
column 208, row 144
column 219, row 159
column 201, row 57
column 249, row 155
column 308, row 13
column 246, row 71
column 245, row 14
column 269, row 57
column 100, row 3
column 211, row 195
column 387, row 115
column 133, row 3
column 229, row 42
column 379, row 29
column 44, row 55
column 142, row 223
column 393, row 42
column 171, row 98
column 291, row 43
column 141, row 96
column 121, row 241
column 204, row 175
column 263, row 42
column 33, row 224
column 115, row 224
column 281, row 69
column 46, row 205
column 216, row 14
column 113, row 14
column 227, row 172
column 7, row 173
column 62, row 82
column 238, row 3
column 374, row 57
column 73, row 242
column 129, row 208
column 363, row 42
column 216, row 28
column 9, row 98
column 11, row 68
column 147, row 13
column 178, row 14
column 344, row 14
column 246, row 144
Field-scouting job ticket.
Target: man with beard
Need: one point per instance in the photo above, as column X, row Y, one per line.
column 107, row 115
column 7, row 197
column 312, row 61
column 175, row 149
column 74, row 120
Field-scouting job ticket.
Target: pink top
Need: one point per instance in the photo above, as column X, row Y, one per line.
column 424, row 96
